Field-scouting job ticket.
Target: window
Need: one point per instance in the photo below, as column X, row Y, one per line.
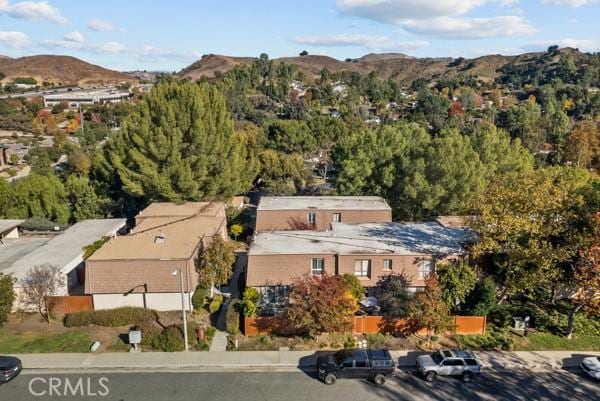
column 317, row 266
column 387, row 264
column 311, row 218
column 425, row 268
column 453, row 362
column 362, row 268
column 360, row 364
column 336, row 217
column 349, row 363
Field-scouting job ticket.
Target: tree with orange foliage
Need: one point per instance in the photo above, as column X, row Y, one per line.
column 320, row 304
column 586, row 277
column 428, row 310
column 583, row 144
column 73, row 126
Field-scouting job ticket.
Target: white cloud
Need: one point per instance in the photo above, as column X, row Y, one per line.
column 585, row 45
column 18, row 40
column 106, row 47
column 372, row 42
column 100, row 25
column 440, row 19
column 396, row 11
column 470, row 28
column 570, row 3
column 75, row 40
column 151, row 54
column 74, row 36
column 32, row 10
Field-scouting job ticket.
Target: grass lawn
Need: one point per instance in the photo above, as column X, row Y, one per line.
column 546, row 341
column 72, row 341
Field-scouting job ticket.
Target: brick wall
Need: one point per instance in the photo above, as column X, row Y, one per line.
column 272, row 220
column 283, row 269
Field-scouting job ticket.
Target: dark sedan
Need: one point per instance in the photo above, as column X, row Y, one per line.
column 10, row 367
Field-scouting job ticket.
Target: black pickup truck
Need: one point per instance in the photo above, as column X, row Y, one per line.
column 375, row 365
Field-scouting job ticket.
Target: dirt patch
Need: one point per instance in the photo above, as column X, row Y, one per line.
column 323, row 342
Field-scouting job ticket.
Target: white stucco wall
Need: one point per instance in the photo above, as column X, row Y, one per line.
column 156, row 301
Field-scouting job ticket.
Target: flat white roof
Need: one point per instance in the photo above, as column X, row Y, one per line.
column 8, row 225
column 62, row 250
column 365, row 238
column 79, row 95
column 323, row 203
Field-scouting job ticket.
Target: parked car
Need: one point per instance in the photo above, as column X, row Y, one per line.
column 375, row 365
column 591, row 366
column 449, row 363
column 10, row 367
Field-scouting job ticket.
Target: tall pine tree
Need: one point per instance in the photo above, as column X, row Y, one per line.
column 178, row 145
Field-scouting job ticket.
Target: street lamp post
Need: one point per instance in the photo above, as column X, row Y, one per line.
column 185, row 333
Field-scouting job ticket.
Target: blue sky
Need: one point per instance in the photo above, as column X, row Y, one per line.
column 168, row 35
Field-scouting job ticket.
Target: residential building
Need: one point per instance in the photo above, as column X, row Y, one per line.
column 318, row 212
column 366, row 250
column 19, row 253
column 76, row 98
column 142, row 268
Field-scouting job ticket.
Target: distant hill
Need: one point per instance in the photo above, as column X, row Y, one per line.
column 388, row 65
column 60, row 70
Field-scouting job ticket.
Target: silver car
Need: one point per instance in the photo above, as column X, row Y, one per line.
column 449, row 363
column 591, row 366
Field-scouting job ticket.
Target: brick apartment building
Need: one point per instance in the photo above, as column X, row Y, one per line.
column 137, row 269
column 366, row 250
column 318, row 212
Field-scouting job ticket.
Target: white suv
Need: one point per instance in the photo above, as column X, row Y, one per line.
column 449, row 363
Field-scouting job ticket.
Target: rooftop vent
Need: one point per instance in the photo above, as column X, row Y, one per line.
column 160, row 239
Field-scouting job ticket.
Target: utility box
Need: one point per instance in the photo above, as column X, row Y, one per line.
column 135, row 338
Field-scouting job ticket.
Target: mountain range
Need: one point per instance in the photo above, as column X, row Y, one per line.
column 66, row 70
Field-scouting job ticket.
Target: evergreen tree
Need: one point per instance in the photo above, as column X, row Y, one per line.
column 40, row 196
column 83, row 200
column 177, row 145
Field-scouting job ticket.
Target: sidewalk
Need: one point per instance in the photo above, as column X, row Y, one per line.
column 282, row 360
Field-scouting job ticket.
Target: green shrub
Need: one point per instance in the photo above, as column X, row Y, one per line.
column 40, row 224
column 251, row 299
column 493, row 340
column 215, row 304
column 125, row 316
column 376, row 340
column 170, row 340
column 199, row 297
column 264, row 341
column 210, row 332
column 150, row 332
column 350, row 342
column 233, row 317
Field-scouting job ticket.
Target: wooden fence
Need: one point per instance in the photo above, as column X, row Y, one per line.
column 365, row 325
column 71, row 303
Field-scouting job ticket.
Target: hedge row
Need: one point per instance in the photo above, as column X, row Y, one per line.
column 111, row 317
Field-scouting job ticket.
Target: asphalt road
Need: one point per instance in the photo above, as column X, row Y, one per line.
column 292, row 386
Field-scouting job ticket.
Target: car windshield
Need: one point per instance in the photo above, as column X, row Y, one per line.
column 437, row 357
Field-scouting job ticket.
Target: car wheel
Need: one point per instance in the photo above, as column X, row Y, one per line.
column 467, row 377
column 430, row 376
column 379, row 379
column 329, row 379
